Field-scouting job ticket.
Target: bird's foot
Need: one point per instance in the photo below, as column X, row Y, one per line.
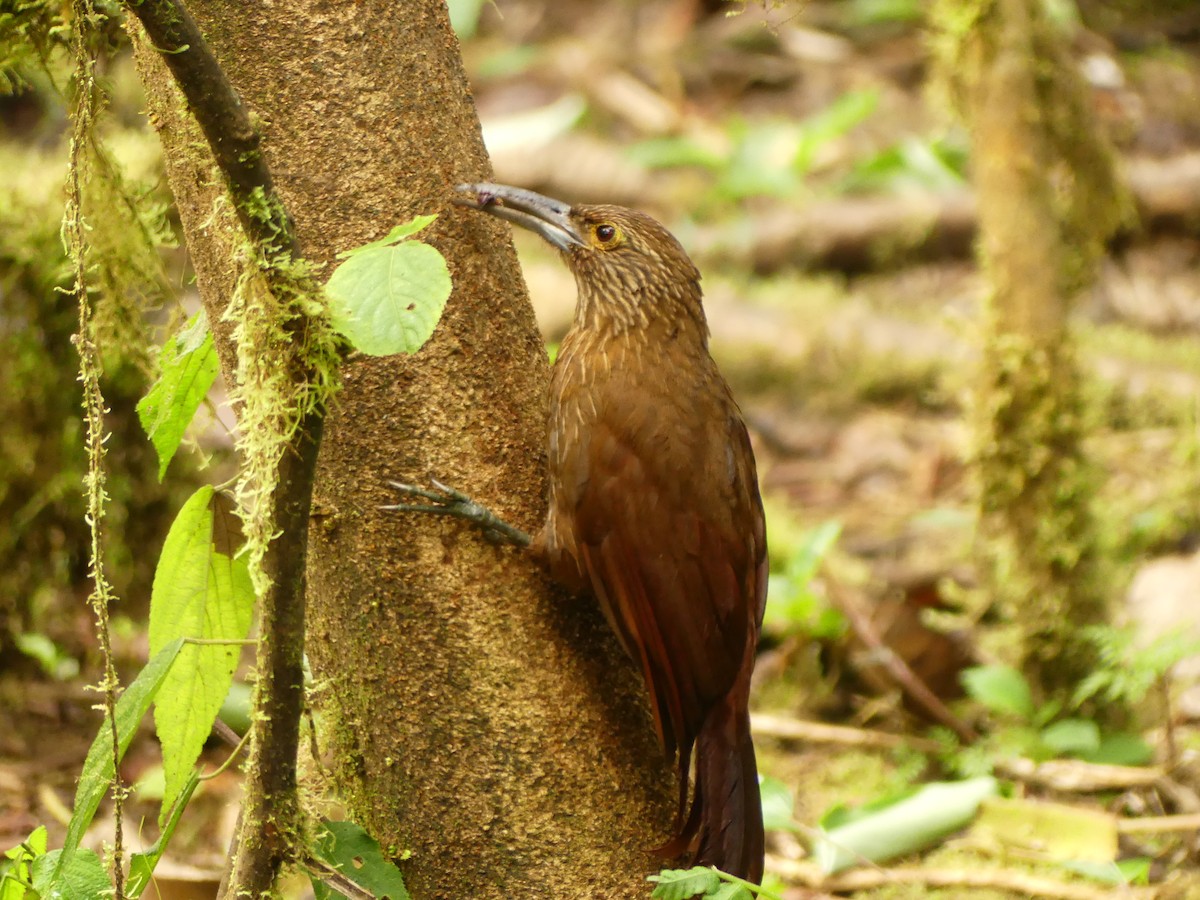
column 443, row 500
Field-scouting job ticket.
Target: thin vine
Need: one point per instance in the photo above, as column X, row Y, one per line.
column 84, row 111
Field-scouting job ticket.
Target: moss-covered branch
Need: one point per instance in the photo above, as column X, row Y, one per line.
column 285, row 360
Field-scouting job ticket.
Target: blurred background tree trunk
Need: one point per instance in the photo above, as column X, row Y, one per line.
column 475, row 718
column 1048, row 199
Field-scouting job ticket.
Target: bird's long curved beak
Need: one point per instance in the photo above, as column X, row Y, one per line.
column 542, row 215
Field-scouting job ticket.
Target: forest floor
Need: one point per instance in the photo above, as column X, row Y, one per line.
column 805, row 159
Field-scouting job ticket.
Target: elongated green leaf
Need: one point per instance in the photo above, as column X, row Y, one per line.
column 201, row 590
column 98, row 768
column 346, row 847
column 189, row 366
column 397, row 234
column 930, row 813
column 141, row 865
column 388, row 300
column 58, row 877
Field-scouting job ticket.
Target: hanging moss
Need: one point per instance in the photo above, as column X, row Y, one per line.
column 43, row 564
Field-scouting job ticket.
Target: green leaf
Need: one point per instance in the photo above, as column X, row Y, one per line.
column 1120, row 749
column 189, row 366
column 19, row 871
column 792, row 604
column 679, row 884
column 388, row 300
column 464, row 16
column 777, row 805
column 141, row 865
column 99, row 767
column 1124, row 871
column 397, row 234
column 201, row 590
column 345, row 847
column 1075, row 736
column 730, row 891
column 832, row 122
column 915, row 822
column 54, row 662
column 82, row 875
column 674, row 151
column 1002, row 689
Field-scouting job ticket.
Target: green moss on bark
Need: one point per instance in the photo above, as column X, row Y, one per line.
column 1049, row 198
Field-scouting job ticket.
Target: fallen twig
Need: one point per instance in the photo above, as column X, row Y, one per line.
column 1159, row 824
column 1021, row 883
column 913, row 686
column 775, row 726
column 1077, row 776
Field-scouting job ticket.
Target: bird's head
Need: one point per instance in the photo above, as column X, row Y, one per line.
column 630, row 270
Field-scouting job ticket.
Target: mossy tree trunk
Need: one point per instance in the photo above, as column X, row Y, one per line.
column 1047, row 199
column 475, row 717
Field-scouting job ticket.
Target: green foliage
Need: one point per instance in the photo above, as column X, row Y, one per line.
column 880, row 12
column 679, row 884
column 18, row 871
column 793, row 606
column 762, row 159
column 937, row 164
column 100, row 767
column 1001, row 689
column 82, row 875
column 464, row 16
column 1026, row 729
column 78, row 872
column 42, row 460
column 388, row 295
column 701, row 881
column 778, row 805
column 54, row 662
column 1127, row 671
column 202, row 590
column 29, row 31
column 188, row 364
column 1122, row 871
column 346, row 848
column 142, row 865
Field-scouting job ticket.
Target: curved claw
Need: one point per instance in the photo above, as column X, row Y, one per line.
column 444, row 500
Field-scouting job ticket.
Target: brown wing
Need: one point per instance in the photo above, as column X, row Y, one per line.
column 669, row 529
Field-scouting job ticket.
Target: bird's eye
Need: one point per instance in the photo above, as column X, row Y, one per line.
column 605, row 233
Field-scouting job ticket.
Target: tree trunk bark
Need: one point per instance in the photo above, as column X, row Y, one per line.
column 1048, row 199
column 476, row 718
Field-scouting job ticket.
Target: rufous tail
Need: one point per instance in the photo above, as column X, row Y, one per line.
column 727, row 800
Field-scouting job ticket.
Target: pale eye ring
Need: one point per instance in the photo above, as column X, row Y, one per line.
column 605, row 233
